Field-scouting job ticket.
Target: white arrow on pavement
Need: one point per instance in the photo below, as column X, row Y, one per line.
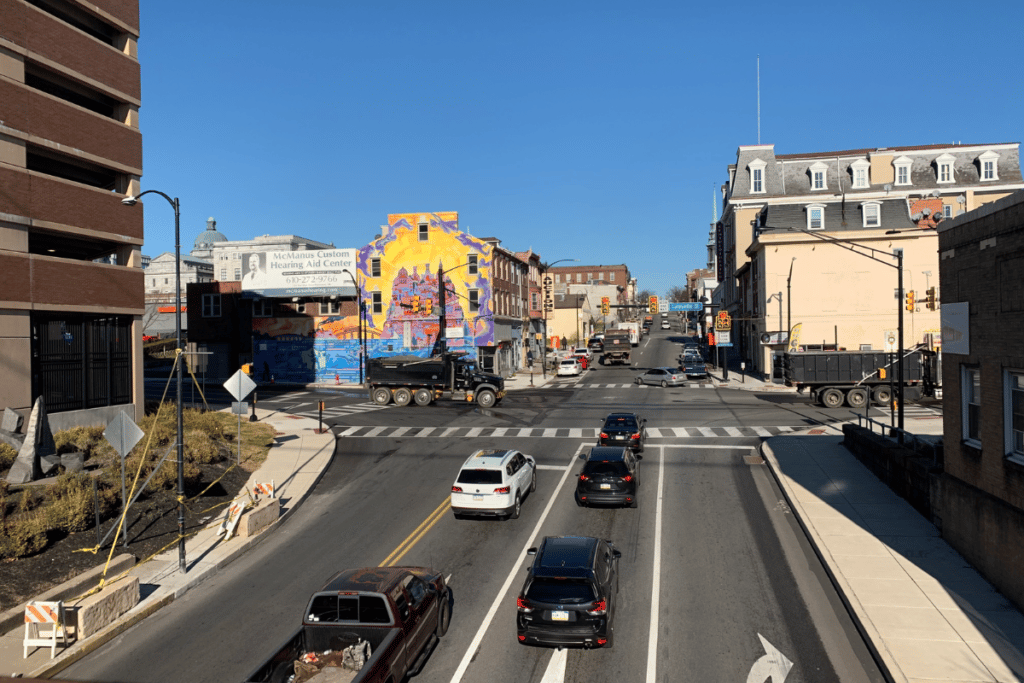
column 774, row 665
column 555, row 673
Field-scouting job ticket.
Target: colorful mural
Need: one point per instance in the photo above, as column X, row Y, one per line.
column 283, row 349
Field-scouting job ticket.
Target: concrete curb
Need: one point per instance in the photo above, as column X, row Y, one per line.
column 867, row 631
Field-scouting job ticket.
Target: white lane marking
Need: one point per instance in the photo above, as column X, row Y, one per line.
column 705, row 446
column 785, row 429
column 652, row 635
column 550, row 432
column 773, row 665
column 706, row 431
column 515, row 573
column 500, row 431
column 375, row 431
column 555, row 673
column 654, row 432
column 450, row 431
column 400, row 431
column 761, row 431
column 350, row 430
column 426, row 431
column 732, row 431
column 550, row 467
column 475, row 431
column 680, row 432
column 575, row 433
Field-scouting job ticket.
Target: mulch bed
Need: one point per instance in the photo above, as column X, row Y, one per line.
column 152, row 525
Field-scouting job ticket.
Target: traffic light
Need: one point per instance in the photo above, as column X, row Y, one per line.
column 416, row 304
column 929, row 299
column 910, row 300
column 711, row 338
column 428, row 306
column 652, row 305
column 606, row 305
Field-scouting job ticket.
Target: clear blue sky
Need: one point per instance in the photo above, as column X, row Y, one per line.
column 590, row 130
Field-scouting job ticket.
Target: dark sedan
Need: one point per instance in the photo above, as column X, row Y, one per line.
column 623, row 429
column 610, row 476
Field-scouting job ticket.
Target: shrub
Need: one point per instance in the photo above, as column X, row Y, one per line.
column 200, row 448
column 23, row 535
column 88, row 440
column 71, row 503
column 7, row 456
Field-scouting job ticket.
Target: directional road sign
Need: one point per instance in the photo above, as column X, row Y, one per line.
column 239, row 385
column 685, row 306
column 123, row 433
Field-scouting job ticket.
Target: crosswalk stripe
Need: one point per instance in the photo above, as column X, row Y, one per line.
column 761, row 431
column 400, row 431
column 732, row 431
column 350, row 431
column 475, row 431
column 500, row 431
column 575, row 433
column 586, row 433
column 450, row 431
column 706, row 431
column 375, row 431
column 426, row 431
column 785, row 429
column 654, row 432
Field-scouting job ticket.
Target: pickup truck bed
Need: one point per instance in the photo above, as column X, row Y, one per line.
column 327, row 638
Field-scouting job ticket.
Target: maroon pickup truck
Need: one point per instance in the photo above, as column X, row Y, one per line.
column 378, row 625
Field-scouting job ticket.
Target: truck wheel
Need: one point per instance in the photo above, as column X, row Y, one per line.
column 423, row 397
column 444, row 615
column 485, row 398
column 857, row 398
column 881, row 396
column 403, row 396
column 381, row 396
column 830, row 398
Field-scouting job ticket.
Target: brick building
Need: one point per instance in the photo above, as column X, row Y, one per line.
column 71, row 281
column 596, row 282
column 981, row 492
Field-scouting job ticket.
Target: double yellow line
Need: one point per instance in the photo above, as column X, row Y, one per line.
column 420, row 531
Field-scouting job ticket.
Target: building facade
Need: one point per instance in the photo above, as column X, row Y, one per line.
column 511, row 286
column 981, row 496
column 788, row 224
column 597, row 282
column 71, row 279
column 534, row 321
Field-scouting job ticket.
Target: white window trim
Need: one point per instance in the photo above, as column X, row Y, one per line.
column 864, row 213
column 994, row 158
column 375, row 270
column 861, row 165
column 473, row 266
column 965, row 373
column 902, row 162
column 940, row 162
column 819, row 167
column 1008, row 415
column 424, row 235
column 947, row 210
column 327, row 306
column 811, row 207
column 757, row 165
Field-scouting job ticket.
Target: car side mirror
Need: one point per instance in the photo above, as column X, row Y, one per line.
column 583, row 456
column 616, row 554
column 639, row 457
column 531, row 551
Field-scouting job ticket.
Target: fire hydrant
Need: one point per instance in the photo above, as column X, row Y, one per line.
column 337, row 378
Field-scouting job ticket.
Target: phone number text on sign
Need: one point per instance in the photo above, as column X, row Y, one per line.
column 312, row 279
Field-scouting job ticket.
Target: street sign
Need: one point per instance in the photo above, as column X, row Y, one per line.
column 240, row 407
column 724, row 337
column 662, row 307
column 240, row 385
column 686, row 306
column 890, row 341
column 726, row 345
column 123, row 433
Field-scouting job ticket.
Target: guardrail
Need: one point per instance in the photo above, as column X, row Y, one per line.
column 901, row 436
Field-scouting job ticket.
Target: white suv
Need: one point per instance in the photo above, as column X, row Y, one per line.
column 493, row 483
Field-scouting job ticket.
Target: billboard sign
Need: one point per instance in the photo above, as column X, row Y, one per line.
column 299, row 273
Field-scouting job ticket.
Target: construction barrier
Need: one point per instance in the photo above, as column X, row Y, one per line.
column 44, row 623
column 264, row 488
column 231, row 517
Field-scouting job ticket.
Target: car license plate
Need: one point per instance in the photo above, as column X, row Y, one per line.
column 620, row 437
column 559, row 615
column 478, row 497
column 606, row 486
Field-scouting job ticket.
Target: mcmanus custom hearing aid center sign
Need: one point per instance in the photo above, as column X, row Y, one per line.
column 299, row 273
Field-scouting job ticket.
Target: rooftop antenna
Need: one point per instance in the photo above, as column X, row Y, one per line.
column 759, row 99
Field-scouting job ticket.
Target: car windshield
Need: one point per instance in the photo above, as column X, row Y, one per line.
column 480, row 477
column 562, row 591
column 569, row 362
column 606, row 469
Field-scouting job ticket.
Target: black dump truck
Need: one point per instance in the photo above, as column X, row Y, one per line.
column 411, row 379
column 616, row 347
column 859, row 377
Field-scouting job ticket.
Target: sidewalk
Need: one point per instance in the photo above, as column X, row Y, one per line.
column 295, row 463
column 744, row 381
column 926, row 614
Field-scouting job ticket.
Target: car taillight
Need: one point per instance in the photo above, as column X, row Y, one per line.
column 503, row 489
column 635, row 436
column 604, row 435
column 599, row 607
column 456, row 489
column 583, row 477
column 628, row 477
column 524, row 605
column 602, row 641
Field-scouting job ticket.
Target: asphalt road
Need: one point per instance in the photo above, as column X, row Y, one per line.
column 715, row 577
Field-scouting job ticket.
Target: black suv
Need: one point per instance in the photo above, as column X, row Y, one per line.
column 623, row 429
column 611, row 475
column 569, row 594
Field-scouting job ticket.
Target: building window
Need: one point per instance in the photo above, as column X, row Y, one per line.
column 330, row 307
column 377, row 302
column 989, row 166
column 474, row 300
column 872, row 214
column 211, row 305
column 423, row 232
column 818, row 177
column 473, row 263
column 902, row 165
column 757, row 176
column 534, row 301
column 375, row 267
column 1014, row 402
column 611, row 277
column 944, row 165
column 860, row 173
column 223, row 273
column 970, row 397
column 947, row 210
column 600, row 277
column 238, row 273
column 815, row 217
column 579, row 278
column 262, row 308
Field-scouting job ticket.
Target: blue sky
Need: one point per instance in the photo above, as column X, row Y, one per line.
column 589, row 130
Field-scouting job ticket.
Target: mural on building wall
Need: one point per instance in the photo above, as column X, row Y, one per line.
column 283, row 349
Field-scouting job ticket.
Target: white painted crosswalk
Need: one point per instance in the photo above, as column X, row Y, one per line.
column 559, row 432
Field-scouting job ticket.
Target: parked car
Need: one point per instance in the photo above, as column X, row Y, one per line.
column 569, row 366
column 690, row 356
column 623, row 429
column 666, row 377
column 569, row 597
column 582, row 352
column 493, row 483
column 610, row 475
column 695, row 368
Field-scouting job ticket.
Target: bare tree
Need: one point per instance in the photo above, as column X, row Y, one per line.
column 678, row 294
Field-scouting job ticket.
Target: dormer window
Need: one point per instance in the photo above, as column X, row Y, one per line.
column 902, row 165
column 816, row 217
column 872, row 214
column 818, row 176
column 861, row 167
column 944, row 168
column 757, row 167
column 988, row 166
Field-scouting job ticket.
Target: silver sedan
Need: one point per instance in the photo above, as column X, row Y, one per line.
column 665, row 377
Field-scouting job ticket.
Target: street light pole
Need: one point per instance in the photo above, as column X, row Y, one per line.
column 898, row 253
column 130, row 200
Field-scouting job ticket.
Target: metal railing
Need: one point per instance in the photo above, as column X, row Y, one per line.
column 901, row 436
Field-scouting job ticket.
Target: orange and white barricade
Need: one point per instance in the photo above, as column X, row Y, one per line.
column 231, row 517
column 264, row 489
column 44, row 623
